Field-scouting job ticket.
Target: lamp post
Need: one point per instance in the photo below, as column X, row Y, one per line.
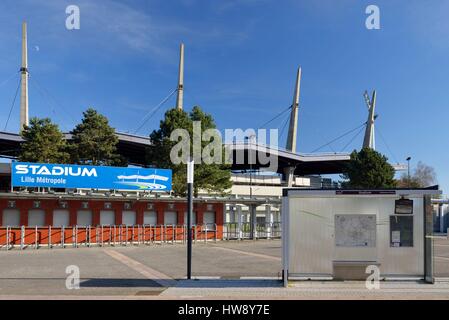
column 250, row 159
column 408, row 170
column 190, row 169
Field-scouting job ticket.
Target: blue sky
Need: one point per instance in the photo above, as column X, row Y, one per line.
column 241, row 61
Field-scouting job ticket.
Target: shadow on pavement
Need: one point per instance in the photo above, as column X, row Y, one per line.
column 119, row 283
column 222, row 283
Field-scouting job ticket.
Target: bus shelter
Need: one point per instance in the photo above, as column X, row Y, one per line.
column 344, row 234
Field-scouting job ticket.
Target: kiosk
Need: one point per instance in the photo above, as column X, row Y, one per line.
column 341, row 234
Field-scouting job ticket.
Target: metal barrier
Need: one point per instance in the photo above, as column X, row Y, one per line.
column 247, row 230
column 112, row 235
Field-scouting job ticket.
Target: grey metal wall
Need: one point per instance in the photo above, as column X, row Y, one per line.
column 311, row 243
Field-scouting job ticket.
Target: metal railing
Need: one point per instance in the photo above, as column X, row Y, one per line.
column 247, row 230
column 116, row 235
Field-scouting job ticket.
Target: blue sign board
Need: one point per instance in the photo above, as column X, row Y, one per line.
column 25, row 174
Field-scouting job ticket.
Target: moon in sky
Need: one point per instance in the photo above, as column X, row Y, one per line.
column 37, row 48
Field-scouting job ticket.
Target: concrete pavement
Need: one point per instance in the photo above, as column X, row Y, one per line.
column 228, row 270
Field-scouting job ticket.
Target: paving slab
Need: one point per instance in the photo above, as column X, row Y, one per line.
column 43, row 272
column 208, row 260
column 240, row 289
column 223, row 269
column 441, row 260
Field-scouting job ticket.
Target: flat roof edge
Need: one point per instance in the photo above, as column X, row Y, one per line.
column 433, row 190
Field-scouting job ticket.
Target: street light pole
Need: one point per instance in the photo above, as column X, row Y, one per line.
column 408, row 170
column 190, row 170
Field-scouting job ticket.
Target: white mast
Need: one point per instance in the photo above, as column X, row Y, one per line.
column 369, row 140
column 180, row 98
column 293, row 127
column 24, row 80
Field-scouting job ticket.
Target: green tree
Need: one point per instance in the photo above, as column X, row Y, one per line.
column 94, row 141
column 368, row 169
column 44, row 143
column 211, row 177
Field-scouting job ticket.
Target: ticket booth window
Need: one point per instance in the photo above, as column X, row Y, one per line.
column 36, row 218
column 84, row 218
column 193, row 218
column 107, row 217
column 61, row 218
column 150, row 218
column 170, row 218
column 209, row 217
column 11, row 217
column 129, row 218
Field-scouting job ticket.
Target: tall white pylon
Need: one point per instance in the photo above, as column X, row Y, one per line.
column 293, row 127
column 24, row 80
column 369, row 141
column 180, row 97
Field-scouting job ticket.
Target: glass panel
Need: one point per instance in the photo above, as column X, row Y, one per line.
column 11, row 217
column 193, row 217
column 129, row 218
column 61, row 218
column 36, row 218
column 170, row 218
column 107, row 217
column 84, row 218
column 150, row 217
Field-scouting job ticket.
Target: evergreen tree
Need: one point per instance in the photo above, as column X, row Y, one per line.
column 368, row 169
column 94, row 141
column 44, row 143
column 211, row 177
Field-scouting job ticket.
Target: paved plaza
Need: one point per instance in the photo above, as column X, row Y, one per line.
column 222, row 270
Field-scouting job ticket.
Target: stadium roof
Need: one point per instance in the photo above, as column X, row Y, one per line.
column 133, row 148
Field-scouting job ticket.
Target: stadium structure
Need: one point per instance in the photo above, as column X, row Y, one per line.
column 253, row 199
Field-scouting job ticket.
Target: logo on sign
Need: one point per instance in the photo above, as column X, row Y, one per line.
column 136, row 180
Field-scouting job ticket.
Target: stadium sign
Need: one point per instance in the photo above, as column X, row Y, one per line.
column 89, row 177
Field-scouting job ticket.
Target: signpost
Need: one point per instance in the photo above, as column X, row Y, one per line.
column 190, row 170
column 64, row 176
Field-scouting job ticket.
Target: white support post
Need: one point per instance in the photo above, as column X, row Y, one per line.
column 268, row 221
column 22, row 237
column 63, row 237
column 49, row 237
column 7, row 238
column 253, row 221
column 441, row 214
column 240, row 222
column 285, row 240
column 231, row 214
column 35, row 238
